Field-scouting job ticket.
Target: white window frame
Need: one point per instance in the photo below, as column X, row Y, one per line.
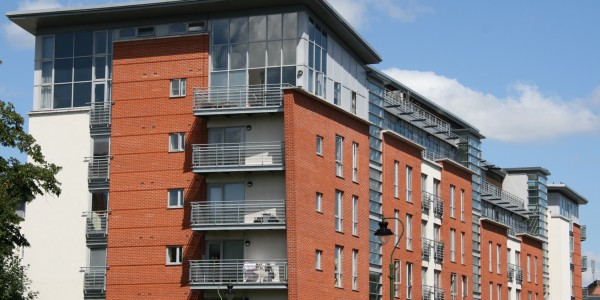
column 453, row 286
column 396, row 179
column 355, row 162
column 462, row 248
column 339, row 217
column 177, row 142
column 319, row 202
column 339, row 156
column 528, row 268
column 339, row 252
column 465, row 287
column 498, row 259
column 492, row 291
column 490, row 257
column 499, row 288
column 408, row 183
column 174, row 255
column 354, row 269
column 178, row 194
column 409, row 232
column 535, row 269
column 462, row 205
column 354, row 215
column 452, row 190
column 337, row 93
column 396, row 218
column 409, row 278
column 452, row 245
column 318, row 257
column 397, row 277
column 180, row 84
column 319, row 145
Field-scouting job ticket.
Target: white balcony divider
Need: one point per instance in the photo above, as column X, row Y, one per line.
column 249, row 212
column 238, row 155
column 96, row 222
column 238, row 272
column 94, row 281
column 245, row 97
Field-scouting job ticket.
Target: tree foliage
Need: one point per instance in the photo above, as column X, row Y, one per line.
column 19, row 182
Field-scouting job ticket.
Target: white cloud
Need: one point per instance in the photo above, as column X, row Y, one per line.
column 526, row 114
column 361, row 12
column 18, row 37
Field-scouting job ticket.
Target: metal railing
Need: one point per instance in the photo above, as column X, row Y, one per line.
column 98, row 167
column 438, row 293
column 245, row 213
column 246, row 97
column 96, row 222
column 438, row 254
column 426, row 200
column 238, row 155
column 427, row 292
column 100, row 115
column 437, row 201
column 502, row 198
column 238, row 272
column 94, row 280
column 426, row 245
column 583, row 233
column 584, row 263
column 515, row 272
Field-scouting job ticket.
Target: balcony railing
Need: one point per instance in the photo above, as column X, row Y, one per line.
column 98, row 168
column 96, row 223
column 438, row 204
column 515, row 272
column 252, row 273
column 100, row 115
column 426, row 245
column 249, row 214
column 438, row 293
column 266, row 156
column 426, row 200
column 438, row 254
column 238, row 99
column 427, row 292
column 498, row 196
column 583, row 233
column 584, row 263
column 94, row 280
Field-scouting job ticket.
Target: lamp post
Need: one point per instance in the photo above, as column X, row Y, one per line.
column 384, row 233
column 229, row 293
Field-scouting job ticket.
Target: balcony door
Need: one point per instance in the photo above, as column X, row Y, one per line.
column 226, row 135
column 226, row 200
column 227, row 145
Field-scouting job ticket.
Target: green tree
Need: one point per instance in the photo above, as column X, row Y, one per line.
column 19, row 182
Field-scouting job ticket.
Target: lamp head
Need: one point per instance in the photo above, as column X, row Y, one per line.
column 383, row 233
column 229, row 293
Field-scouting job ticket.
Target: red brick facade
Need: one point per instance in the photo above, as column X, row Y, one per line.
column 143, row 169
column 577, row 277
column 532, row 283
column 494, row 234
column 305, row 118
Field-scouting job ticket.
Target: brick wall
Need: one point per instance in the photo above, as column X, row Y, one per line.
column 142, row 169
column 577, row 276
column 307, row 173
column 496, row 234
column 533, row 248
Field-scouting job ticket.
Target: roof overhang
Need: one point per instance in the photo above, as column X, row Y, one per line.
column 567, row 191
column 34, row 20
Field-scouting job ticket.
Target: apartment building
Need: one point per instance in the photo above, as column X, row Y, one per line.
column 207, row 144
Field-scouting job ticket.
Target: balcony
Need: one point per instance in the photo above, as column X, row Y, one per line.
column 94, row 281
column 96, row 226
column 98, row 172
column 438, row 254
column 583, row 233
column 426, row 245
column 506, row 200
column 584, row 263
column 427, row 292
column 231, row 157
column 438, row 204
column 253, row 214
column 515, row 272
column 100, row 117
column 438, row 293
column 264, row 98
column 426, row 200
column 251, row 274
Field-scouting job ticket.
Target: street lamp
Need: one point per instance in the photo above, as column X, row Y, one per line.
column 229, row 293
column 384, row 234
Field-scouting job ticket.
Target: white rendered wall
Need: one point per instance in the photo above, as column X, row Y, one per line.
column 54, row 226
column 559, row 256
column 516, row 185
column 433, row 171
column 514, row 245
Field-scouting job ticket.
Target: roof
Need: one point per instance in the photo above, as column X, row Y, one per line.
column 34, row 20
column 567, row 191
column 527, row 170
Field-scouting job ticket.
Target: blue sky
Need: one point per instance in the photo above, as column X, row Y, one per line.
column 526, row 73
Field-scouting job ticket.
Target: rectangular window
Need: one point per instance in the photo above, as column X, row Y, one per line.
column 490, row 256
column 528, row 295
column 145, row 31
column 408, row 232
column 355, row 215
column 174, row 255
column 176, row 142
column 338, row 266
column 353, row 104
column 462, row 248
column 452, row 245
column 452, row 189
column 175, row 198
column 499, row 287
column 453, row 286
column 509, row 293
column 338, row 211
column 397, row 277
column 409, row 280
column 319, row 202
column 178, row 87
column 337, row 93
column 355, row 269
column 408, row 184
column 519, row 295
column 319, row 145
column 318, row 255
column 355, row 162
column 396, row 179
column 465, row 287
column 498, row 259
column 462, row 205
column 396, row 218
column 339, row 156
column 528, row 268
column 492, row 291
column 535, row 270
